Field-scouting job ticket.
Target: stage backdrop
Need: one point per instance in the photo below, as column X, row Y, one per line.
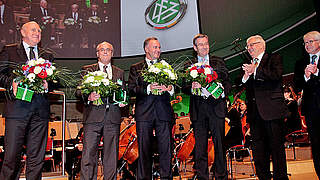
column 126, row 24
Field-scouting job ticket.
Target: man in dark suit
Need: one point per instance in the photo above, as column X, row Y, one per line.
column 73, row 33
column 208, row 114
column 151, row 112
column 102, row 120
column 7, row 24
column 38, row 13
column 93, row 29
column 26, row 122
column 306, row 78
column 266, row 109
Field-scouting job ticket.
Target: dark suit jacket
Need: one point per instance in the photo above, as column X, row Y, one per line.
column 311, row 89
column 79, row 20
column 8, row 19
column 36, row 14
column 10, row 56
column 147, row 106
column 219, row 105
column 266, row 89
column 95, row 113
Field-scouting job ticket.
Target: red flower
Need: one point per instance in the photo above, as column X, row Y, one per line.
column 42, row 74
column 31, row 70
column 193, row 68
column 24, row 68
column 209, row 78
column 214, row 75
column 201, row 70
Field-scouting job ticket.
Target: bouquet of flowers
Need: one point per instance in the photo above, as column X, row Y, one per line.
column 98, row 82
column 47, row 20
column 161, row 73
column 31, row 75
column 94, row 19
column 203, row 74
column 69, row 22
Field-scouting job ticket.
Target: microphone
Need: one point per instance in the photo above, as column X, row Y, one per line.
column 235, row 41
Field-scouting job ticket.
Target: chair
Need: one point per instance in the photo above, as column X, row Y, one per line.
column 231, row 155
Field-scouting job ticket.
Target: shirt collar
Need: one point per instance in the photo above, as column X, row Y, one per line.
column 149, row 61
column 318, row 54
column 206, row 57
column 101, row 65
column 27, row 49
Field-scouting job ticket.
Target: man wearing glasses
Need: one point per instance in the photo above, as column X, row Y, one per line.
column 306, row 78
column 266, row 109
column 102, row 120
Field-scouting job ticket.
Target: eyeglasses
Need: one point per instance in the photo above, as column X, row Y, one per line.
column 107, row 50
column 310, row 42
column 252, row 44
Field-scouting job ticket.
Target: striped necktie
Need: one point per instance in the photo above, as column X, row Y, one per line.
column 313, row 59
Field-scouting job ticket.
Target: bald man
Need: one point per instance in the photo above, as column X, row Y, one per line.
column 26, row 122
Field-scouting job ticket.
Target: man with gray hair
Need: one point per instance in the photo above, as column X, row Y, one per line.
column 266, row 109
column 306, row 78
column 101, row 121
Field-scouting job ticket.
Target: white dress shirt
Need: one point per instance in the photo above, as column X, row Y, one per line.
column 316, row 62
column 1, row 13
column 255, row 70
column 27, row 49
column 108, row 69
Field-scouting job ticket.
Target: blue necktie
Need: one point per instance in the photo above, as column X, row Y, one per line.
column 313, row 59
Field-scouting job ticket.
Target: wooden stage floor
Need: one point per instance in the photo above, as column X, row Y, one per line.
column 299, row 169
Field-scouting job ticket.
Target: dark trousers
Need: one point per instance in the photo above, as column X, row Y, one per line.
column 25, row 122
column 268, row 139
column 92, row 136
column 208, row 121
column 312, row 120
column 163, row 135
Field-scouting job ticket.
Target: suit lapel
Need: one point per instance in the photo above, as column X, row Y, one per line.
column 21, row 52
column 263, row 62
column 114, row 73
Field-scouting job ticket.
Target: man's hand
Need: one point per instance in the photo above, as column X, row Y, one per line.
column 11, row 31
column 45, row 84
column 195, row 85
column 14, row 88
column 310, row 69
column 93, row 96
column 122, row 105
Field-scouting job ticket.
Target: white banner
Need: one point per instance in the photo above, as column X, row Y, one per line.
column 173, row 22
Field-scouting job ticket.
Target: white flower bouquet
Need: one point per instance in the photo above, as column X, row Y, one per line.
column 69, row 22
column 98, row 82
column 32, row 74
column 161, row 73
column 94, row 19
column 47, row 20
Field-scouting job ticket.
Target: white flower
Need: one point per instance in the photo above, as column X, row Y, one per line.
column 163, row 62
column 89, row 79
column 37, row 69
column 49, row 71
column 194, row 73
column 31, row 77
column 207, row 71
column 154, row 69
column 40, row 61
column 32, row 63
column 53, row 68
column 96, row 84
column 105, row 82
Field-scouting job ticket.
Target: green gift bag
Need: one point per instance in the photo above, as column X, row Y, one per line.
column 215, row 89
column 120, row 97
column 25, row 94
